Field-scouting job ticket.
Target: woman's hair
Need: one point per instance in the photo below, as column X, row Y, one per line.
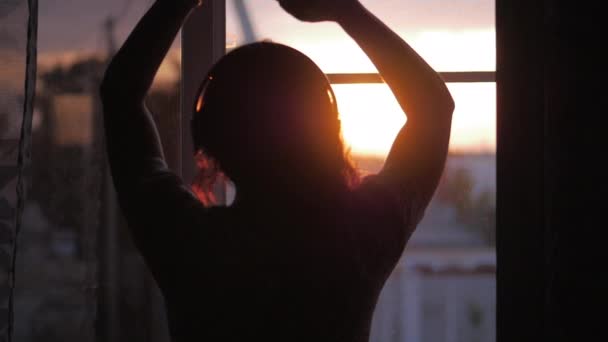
column 266, row 110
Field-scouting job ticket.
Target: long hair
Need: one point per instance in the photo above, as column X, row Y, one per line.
column 266, row 106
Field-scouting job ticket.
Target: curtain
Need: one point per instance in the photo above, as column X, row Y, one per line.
column 18, row 28
column 68, row 270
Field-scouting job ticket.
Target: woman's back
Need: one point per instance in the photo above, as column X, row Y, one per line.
column 280, row 271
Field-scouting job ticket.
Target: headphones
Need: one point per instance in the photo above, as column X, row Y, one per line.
column 201, row 123
column 198, row 126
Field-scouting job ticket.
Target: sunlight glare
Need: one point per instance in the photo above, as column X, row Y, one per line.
column 371, row 117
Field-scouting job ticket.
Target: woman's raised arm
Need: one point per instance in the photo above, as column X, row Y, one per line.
column 417, row 157
column 132, row 141
column 158, row 207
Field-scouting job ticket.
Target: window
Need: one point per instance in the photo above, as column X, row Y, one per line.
column 444, row 287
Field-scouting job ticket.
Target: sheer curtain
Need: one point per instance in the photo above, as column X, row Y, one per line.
column 68, row 269
column 18, row 27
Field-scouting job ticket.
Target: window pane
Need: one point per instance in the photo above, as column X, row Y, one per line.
column 444, row 287
column 456, row 35
column 79, row 278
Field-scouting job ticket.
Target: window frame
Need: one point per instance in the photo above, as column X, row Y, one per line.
column 448, row 77
column 533, row 67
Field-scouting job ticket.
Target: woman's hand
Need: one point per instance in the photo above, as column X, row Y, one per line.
column 318, row 10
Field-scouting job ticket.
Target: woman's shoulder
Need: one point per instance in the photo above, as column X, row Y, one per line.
column 375, row 196
column 372, row 188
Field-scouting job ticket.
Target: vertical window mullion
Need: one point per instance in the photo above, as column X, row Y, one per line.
column 203, row 43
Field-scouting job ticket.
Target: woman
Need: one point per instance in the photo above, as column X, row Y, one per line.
column 304, row 251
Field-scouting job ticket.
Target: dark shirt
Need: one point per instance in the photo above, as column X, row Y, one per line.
column 231, row 273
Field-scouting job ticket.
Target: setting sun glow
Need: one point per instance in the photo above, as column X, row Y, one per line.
column 371, row 117
column 369, row 113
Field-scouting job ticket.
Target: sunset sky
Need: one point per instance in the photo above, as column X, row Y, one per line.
column 454, row 35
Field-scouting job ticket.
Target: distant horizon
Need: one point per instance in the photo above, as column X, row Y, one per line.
column 451, row 153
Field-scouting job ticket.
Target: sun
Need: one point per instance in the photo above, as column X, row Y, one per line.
column 370, row 117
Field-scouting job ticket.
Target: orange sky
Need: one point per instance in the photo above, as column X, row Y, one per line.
column 371, row 118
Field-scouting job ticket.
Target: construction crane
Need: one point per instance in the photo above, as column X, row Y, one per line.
column 246, row 25
column 109, row 27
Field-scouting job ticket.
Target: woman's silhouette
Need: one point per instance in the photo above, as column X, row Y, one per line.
column 304, row 251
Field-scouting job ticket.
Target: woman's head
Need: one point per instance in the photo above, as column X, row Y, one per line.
column 267, row 113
